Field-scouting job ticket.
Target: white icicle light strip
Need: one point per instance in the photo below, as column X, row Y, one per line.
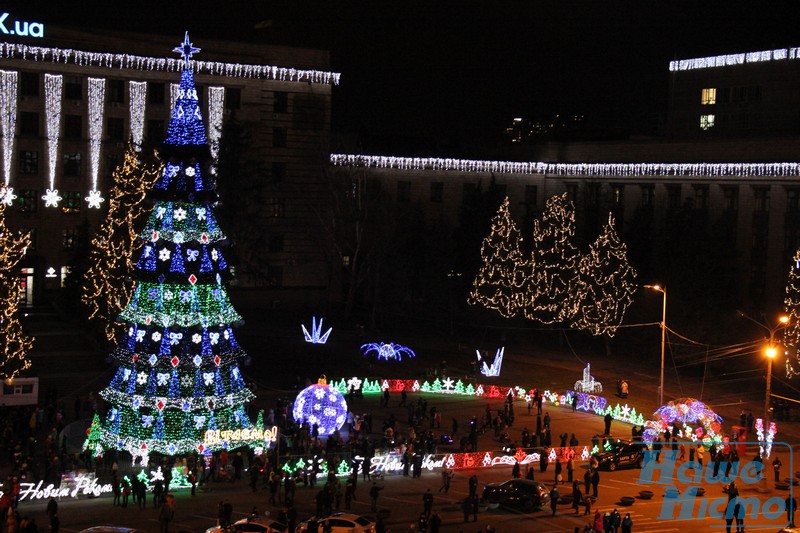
column 134, row 62
column 97, row 91
column 216, row 101
column 53, row 86
column 8, row 119
column 569, row 169
column 734, row 59
column 137, row 92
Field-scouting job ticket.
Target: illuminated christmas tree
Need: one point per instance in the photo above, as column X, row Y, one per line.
column 107, row 289
column 14, row 344
column 178, row 387
column 550, row 289
column 791, row 303
column 499, row 281
column 605, row 285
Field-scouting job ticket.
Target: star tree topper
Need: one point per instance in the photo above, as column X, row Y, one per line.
column 186, row 49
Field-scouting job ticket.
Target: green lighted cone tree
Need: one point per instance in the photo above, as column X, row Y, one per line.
column 549, row 291
column 14, row 344
column 178, row 374
column 106, row 287
column 791, row 303
column 499, row 281
column 605, row 284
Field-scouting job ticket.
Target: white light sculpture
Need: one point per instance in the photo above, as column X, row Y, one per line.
column 8, row 126
column 137, row 96
column 53, row 85
column 588, row 384
column 316, row 336
column 216, row 101
column 97, row 91
column 492, row 370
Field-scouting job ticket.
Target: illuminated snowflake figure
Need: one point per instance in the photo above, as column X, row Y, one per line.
column 320, row 405
column 316, row 336
column 94, row 199
column 51, row 198
column 388, row 350
column 7, row 195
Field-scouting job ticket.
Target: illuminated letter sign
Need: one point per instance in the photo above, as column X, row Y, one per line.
column 215, row 436
column 21, row 27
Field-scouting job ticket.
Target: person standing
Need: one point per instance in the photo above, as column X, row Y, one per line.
column 165, row 516
column 595, row 482
column 516, row 470
column 570, row 466
column 576, row 496
column 587, row 480
column 434, row 523
column 427, row 503
column 447, row 476
column 627, row 523
column 554, row 496
column 473, row 486
column 558, row 477
column 607, row 419
column 374, row 491
column 791, row 507
column 776, row 467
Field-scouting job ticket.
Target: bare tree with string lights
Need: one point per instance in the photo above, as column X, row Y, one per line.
column 14, row 343
column 791, row 303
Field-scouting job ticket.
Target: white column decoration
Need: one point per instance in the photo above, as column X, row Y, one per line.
column 8, row 130
column 97, row 92
column 216, row 106
column 137, row 93
column 53, row 91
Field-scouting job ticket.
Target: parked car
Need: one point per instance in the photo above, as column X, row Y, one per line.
column 522, row 494
column 109, row 529
column 259, row 524
column 622, row 453
column 343, row 523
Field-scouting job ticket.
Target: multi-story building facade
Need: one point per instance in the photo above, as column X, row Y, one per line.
column 72, row 100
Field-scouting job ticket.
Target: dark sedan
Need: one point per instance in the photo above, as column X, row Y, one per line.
column 522, row 494
column 621, row 453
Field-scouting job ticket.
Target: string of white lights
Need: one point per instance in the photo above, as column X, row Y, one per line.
column 734, row 59
column 173, row 94
column 569, row 169
column 137, row 96
column 216, row 101
column 8, row 119
column 135, row 62
column 53, row 85
column 97, row 92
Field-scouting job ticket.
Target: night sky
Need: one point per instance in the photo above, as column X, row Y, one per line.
column 445, row 78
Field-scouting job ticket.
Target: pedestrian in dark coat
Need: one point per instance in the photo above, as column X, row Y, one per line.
column 577, row 498
column 558, row 477
column 587, row 481
column 607, row 419
column 427, row 503
column 554, row 496
column 473, row 486
column 595, row 482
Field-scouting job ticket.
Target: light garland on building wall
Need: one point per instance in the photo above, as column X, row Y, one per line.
column 53, row 84
column 8, row 127
column 163, row 64
column 729, row 60
column 97, row 92
column 137, row 96
column 216, row 102
column 622, row 170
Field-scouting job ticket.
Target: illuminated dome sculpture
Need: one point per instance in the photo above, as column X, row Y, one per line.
column 687, row 419
column 320, row 405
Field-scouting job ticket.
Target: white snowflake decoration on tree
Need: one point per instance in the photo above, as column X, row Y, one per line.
column 164, row 254
column 180, row 214
column 94, row 199
column 141, row 378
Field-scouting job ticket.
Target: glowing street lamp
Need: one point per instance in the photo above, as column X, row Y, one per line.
column 662, row 290
column 771, row 351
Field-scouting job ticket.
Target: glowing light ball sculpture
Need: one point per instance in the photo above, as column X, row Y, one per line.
column 320, row 405
column 688, row 419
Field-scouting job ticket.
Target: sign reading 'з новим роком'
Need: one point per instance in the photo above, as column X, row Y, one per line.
column 20, row 27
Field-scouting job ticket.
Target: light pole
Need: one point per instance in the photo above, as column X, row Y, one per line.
column 770, row 352
column 662, row 290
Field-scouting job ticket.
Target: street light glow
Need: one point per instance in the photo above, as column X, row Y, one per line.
column 771, row 352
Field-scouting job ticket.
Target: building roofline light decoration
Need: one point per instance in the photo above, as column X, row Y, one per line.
column 633, row 170
column 163, row 64
column 730, row 60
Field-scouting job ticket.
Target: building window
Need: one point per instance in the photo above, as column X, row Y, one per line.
column 281, row 102
column 29, row 84
column 29, row 124
column 618, row 195
column 112, row 162
column 156, row 92
column 793, row 200
column 28, row 200
column 72, row 163
column 592, row 194
column 706, row 122
column 404, row 191
column 73, row 88
column 116, row 91
column 72, row 202
column 730, row 196
column 531, row 195
column 648, row 196
column 278, row 207
column 115, row 128
column 345, row 261
column 275, row 275
column 69, row 237
column 761, row 199
column 233, row 98
column 701, row 197
column 276, row 243
column 572, row 192
column 28, row 162
column 279, row 137
column 673, row 196
column 278, row 172
column 708, row 96
column 437, row 191
column 155, row 130
column 73, row 127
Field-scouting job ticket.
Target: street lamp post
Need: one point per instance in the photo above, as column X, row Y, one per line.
column 771, row 351
column 662, row 290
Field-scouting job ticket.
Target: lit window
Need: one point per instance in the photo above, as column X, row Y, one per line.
column 706, row 121
column 708, row 96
